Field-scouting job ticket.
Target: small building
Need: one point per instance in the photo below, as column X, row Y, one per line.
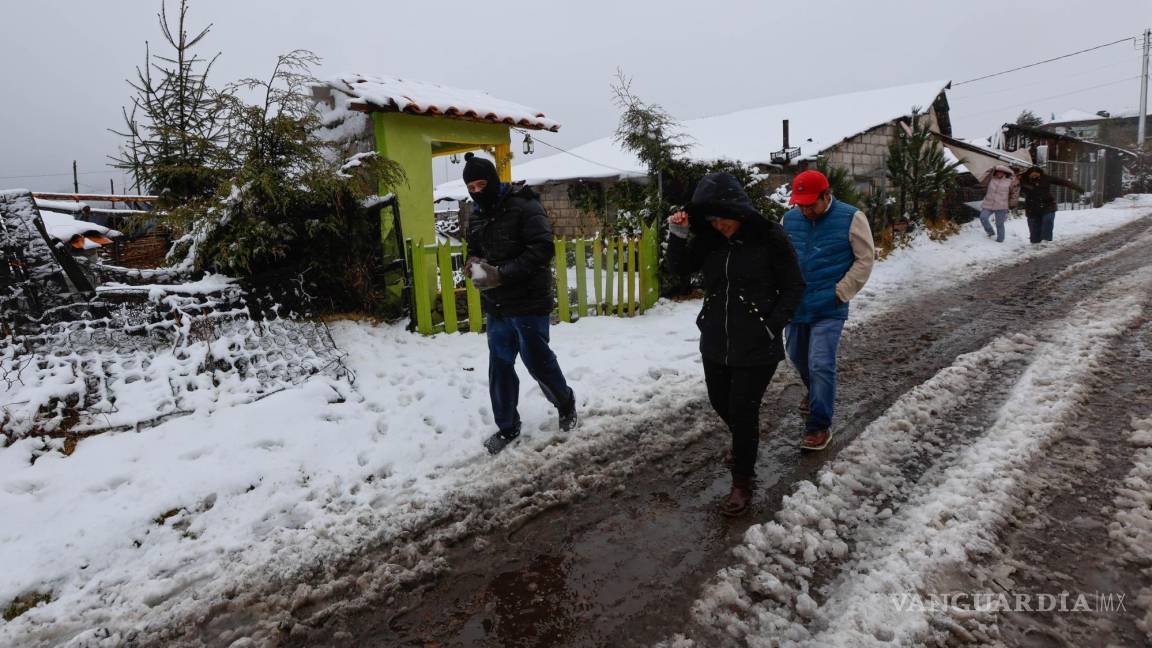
column 1097, row 167
column 412, row 122
column 1118, row 128
column 852, row 131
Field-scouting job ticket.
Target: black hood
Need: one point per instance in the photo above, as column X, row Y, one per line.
column 478, row 168
column 720, row 195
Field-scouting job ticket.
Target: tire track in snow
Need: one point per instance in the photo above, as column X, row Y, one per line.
column 627, row 579
column 767, row 599
column 1057, row 541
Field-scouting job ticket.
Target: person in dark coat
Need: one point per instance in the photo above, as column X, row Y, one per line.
column 752, row 285
column 510, row 251
column 1039, row 205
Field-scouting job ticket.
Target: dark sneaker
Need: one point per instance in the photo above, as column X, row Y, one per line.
column 816, row 440
column 500, row 440
column 569, row 419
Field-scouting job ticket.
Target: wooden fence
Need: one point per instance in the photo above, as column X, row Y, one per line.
column 602, row 276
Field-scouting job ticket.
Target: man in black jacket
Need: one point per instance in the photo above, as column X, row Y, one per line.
column 752, row 285
column 510, row 251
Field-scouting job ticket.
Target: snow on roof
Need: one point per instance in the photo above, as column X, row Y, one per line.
column 422, row 98
column 1075, row 115
column 750, row 136
column 63, row 227
column 65, row 206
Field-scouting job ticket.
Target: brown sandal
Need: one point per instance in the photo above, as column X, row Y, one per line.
column 739, row 498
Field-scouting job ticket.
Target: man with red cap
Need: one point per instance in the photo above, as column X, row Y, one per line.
column 833, row 244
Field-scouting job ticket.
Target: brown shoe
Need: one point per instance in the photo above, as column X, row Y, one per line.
column 738, row 498
column 804, row 406
column 816, row 440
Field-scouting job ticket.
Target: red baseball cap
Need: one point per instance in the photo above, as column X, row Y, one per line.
column 807, row 187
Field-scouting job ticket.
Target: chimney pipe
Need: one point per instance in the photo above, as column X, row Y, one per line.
column 785, row 135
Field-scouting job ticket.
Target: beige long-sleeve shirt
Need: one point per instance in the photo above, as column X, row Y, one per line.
column 863, row 248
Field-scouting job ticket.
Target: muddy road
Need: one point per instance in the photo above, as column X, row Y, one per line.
column 623, row 565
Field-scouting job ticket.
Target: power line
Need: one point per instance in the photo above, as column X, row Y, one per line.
column 575, row 155
column 1055, row 58
column 1018, row 87
column 1057, row 96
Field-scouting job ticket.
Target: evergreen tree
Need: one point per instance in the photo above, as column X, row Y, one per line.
column 296, row 217
column 174, row 132
column 648, row 131
column 918, row 171
column 1029, row 119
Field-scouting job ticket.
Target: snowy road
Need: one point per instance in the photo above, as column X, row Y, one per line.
column 947, row 374
column 366, row 514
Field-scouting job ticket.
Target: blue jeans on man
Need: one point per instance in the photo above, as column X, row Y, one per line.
column 528, row 337
column 1001, row 216
column 812, row 349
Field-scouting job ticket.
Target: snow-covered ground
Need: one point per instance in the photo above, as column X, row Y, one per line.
column 766, row 599
column 1133, row 523
column 134, row 527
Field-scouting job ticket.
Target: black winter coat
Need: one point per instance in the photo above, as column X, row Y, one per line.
column 1037, row 194
column 516, row 237
column 752, row 286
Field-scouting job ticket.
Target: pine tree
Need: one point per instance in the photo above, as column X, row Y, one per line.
column 295, row 218
column 1029, row 119
column 174, row 132
column 648, row 131
column 918, row 171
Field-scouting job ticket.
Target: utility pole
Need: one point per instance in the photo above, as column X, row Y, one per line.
column 1143, row 91
column 76, row 177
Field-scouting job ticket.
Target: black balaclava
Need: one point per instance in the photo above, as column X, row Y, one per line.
column 478, row 168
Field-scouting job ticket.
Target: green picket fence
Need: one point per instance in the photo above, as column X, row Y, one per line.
column 608, row 276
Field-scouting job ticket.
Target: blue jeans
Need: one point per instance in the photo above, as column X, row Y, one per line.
column 812, row 350
column 526, row 335
column 1040, row 227
column 1001, row 216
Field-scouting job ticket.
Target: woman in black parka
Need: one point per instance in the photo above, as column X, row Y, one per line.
column 1039, row 204
column 752, row 285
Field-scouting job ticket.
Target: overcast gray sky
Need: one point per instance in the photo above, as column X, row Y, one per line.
column 63, row 63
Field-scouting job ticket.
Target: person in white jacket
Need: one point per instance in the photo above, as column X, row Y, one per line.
column 1003, row 194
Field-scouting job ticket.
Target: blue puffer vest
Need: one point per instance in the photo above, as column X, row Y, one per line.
column 825, row 255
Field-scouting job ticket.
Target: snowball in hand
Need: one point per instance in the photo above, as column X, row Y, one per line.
column 478, row 273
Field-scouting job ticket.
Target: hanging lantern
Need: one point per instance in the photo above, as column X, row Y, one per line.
column 529, row 145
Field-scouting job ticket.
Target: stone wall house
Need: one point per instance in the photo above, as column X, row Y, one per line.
column 568, row 220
